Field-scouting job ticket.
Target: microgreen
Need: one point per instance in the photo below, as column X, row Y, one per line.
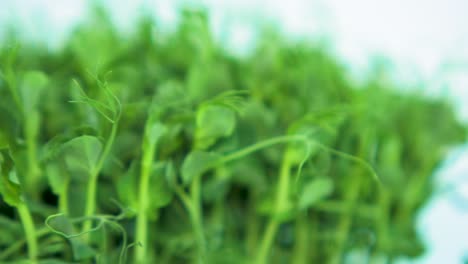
column 273, row 157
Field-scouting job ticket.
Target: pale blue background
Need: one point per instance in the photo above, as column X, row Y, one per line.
column 426, row 41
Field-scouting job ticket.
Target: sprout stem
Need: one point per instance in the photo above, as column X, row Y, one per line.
column 29, row 231
column 282, row 199
column 90, row 208
column 143, row 204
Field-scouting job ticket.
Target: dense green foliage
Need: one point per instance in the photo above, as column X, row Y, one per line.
column 163, row 148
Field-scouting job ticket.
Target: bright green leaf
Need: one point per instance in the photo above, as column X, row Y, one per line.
column 213, row 122
column 9, row 186
column 160, row 192
column 127, row 186
column 31, row 88
column 81, row 154
column 315, row 191
column 57, row 178
column 196, row 163
column 153, row 133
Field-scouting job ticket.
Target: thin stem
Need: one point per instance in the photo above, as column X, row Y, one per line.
column 345, row 222
column 260, row 145
column 267, row 241
column 30, row 133
column 90, row 202
column 301, row 247
column 63, row 198
column 143, row 204
column 29, row 231
column 351, row 196
column 195, row 216
column 282, row 200
column 90, row 208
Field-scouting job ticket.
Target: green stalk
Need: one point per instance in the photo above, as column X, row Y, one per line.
column 33, row 173
column 195, row 217
column 29, row 231
column 345, row 222
column 260, row 145
column 143, row 204
column 351, row 196
column 63, row 198
column 382, row 221
column 90, row 208
column 267, row 241
column 282, row 199
column 30, row 133
column 301, row 250
column 193, row 203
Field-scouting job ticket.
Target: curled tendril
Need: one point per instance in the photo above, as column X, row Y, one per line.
column 112, row 104
column 109, row 220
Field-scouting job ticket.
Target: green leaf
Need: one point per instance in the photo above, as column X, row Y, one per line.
column 215, row 188
column 196, row 163
column 153, row 132
column 213, row 122
column 8, row 123
column 11, row 230
column 315, row 191
column 81, row 250
column 10, row 188
column 81, row 154
column 31, row 88
column 232, row 99
column 127, row 186
column 160, row 193
column 170, row 175
column 57, row 178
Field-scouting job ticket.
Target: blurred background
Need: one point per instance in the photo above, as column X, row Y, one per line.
column 420, row 44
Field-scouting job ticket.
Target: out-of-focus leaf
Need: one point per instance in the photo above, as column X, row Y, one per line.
column 215, row 189
column 153, row 132
column 9, row 188
column 314, row 191
column 81, row 154
column 127, row 186
column 8, row 123
column 11, row 229
column 57, row 177
column 170, row 174
column 196, row 163
column 213, row 122
column 160, row 192
column 31, row 87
